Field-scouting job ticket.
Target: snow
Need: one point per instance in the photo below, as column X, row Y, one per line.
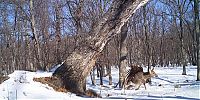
column 170, row 85
column 55, row 67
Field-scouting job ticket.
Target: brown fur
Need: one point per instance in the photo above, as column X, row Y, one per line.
column 134, row 70
column 140, row 78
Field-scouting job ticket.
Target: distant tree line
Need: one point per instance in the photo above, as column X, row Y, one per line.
column 38, row 34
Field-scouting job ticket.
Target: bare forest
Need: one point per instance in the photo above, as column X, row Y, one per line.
column 83, row 35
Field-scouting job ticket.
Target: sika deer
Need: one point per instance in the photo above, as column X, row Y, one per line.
column 131, row 74
column 141, row 77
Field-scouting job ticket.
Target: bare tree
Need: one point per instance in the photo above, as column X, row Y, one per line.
column 43, row 33
column 183, row 58
column 77, row 66
column 123, row 63
column 147, row 46
column 35, row 36
column 58, row 32
column 197, row 31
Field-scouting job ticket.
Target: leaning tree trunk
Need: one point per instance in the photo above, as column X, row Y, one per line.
column 123, row 55
column 77, row 66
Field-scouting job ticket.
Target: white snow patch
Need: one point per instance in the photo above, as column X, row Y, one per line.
column 170, row 85
column 55, row 67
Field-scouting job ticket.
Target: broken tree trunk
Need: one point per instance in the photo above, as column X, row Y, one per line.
column 78, row 65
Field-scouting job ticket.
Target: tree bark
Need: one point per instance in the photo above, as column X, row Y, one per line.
column 101, row 73
column 92, row 75
column 78, row 65
column 109, row 75
column 123, row 55
column 161, row 42
column 58, row 33
column 148, row 56
column 197, row 31
column 108, row 66
column 35, row 37
column 183, row 58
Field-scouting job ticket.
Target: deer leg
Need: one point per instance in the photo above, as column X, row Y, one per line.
column 144, row 85
column 129, row 87
column 124, row 84
column 137, row 86
column 127, row 83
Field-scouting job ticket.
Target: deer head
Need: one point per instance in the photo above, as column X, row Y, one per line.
column 153, row 73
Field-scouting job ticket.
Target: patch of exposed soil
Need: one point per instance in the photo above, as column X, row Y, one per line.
column 92, row 93
column 3, row 78
column 56, row 84
column 52, row 82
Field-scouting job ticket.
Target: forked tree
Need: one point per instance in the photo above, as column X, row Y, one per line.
column 77, row 66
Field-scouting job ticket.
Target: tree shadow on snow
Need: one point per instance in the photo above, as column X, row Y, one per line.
column 122, row 98
column 174, row 97
column 184, row 83
column 154, row 98
column 164, row 80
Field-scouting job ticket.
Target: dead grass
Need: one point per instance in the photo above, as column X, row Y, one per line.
column 56, row 84
column 52, row 82
column 92, row 93
column 3, row 78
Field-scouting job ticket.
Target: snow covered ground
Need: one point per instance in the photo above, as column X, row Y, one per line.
column 170, row 85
